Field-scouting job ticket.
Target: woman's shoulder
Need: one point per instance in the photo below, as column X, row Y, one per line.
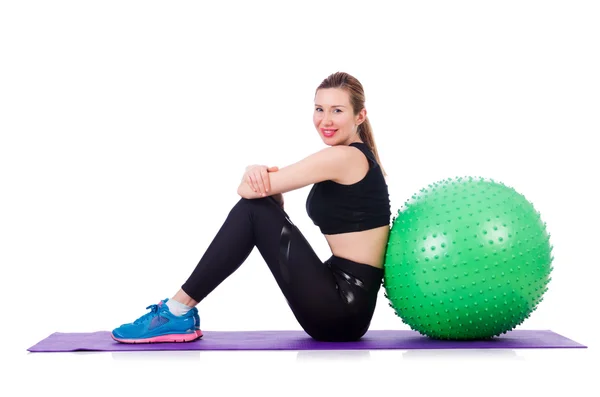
column 339, row 152
column 363, row 152
column 344, row 156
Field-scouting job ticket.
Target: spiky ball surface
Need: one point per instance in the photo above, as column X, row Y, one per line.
column 467, row 258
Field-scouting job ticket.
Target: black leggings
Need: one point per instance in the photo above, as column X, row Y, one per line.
column 332, row 301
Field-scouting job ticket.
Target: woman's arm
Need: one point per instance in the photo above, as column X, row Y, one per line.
column 327, row 164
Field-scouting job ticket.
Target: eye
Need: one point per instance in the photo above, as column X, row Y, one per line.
column 317, row 109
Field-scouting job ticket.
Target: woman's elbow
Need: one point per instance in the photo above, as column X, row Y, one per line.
column 241, row 192
column 246, row 192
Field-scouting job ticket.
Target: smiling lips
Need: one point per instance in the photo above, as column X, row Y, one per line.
column 328, row 132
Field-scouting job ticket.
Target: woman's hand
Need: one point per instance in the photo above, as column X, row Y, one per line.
column 257, row 177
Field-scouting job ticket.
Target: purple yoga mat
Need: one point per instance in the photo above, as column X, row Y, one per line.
column 298, row 340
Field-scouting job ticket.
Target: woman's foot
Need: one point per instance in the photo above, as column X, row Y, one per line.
column 160, row 325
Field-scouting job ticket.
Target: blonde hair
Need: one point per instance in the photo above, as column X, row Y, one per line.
column 357, row 99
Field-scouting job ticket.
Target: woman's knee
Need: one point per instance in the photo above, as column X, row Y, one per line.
column 245, row 204
column 266, row 206
column 264, row 201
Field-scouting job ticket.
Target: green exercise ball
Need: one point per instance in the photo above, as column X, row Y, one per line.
column 467, row 258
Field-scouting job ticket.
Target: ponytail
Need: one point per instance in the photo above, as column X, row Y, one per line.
column 366, row 134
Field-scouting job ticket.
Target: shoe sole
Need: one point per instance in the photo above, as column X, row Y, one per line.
column 170, row 338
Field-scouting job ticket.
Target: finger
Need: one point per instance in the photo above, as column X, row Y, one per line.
column 266, row 181
column 259, row 180
column 251, row 183
column 256, row 182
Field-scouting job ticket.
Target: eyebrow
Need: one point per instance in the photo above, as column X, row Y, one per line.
column 333, row 106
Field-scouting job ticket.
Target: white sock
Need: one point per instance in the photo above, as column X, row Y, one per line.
column 178, row 308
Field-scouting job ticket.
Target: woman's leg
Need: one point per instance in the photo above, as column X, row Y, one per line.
column 332, row 301
column 302, row 277
column 319, row 301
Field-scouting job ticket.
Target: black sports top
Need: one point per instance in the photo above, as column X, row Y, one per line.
column 337, row 208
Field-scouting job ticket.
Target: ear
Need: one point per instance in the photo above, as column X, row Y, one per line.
column 362, row 116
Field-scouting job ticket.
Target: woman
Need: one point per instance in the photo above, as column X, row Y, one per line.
column 349, row 201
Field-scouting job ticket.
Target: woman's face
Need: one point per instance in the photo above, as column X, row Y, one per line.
column 334, row 118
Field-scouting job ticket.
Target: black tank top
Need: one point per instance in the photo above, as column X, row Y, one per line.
column 337, row 208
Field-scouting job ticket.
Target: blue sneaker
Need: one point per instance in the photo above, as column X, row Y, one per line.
column 160, row 325
column 196, row 321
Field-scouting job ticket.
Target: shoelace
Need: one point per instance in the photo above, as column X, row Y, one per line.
column 147, row 316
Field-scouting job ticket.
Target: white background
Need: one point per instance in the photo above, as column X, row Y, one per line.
column 126, row 127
